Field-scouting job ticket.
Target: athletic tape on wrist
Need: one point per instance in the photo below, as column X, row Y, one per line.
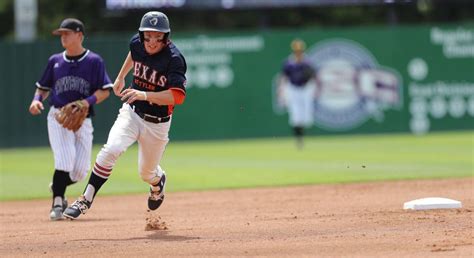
column 91, row 100
column 38, row 98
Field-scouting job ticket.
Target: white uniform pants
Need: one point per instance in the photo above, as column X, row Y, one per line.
column 300, row 104
column 71, row 150
column 128, row 128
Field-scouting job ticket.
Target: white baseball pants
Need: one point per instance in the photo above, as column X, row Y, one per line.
column 300, row 104
column 71, row 150
column 128, row 128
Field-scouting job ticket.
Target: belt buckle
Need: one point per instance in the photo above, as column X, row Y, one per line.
column 146, row 115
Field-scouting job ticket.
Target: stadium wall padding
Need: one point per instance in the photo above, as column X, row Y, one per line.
column 369, row 80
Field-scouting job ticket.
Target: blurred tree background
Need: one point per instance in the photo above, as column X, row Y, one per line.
column 99, row 20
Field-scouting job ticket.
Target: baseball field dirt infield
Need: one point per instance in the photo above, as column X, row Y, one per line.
column 362, row 219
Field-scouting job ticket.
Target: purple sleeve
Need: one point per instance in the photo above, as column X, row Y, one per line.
column 176, row 73
column 46, row 81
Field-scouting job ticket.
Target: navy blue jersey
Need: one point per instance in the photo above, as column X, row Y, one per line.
column 158, row 72
column 298, row 73
column 69, row 80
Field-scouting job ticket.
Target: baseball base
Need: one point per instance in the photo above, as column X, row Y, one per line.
column 432, row 203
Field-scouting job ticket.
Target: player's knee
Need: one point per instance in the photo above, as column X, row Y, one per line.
column 110, row 152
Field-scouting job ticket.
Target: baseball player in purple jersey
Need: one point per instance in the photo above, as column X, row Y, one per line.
column 297, row 88
column 74, row 74
column 158, row 85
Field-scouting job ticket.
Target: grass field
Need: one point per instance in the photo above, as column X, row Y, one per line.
column 26, row 172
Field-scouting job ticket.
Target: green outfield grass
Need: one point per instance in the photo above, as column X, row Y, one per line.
column 26, row 172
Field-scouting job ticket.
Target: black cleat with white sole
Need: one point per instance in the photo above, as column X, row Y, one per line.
column 156, row 197
column 80, row 206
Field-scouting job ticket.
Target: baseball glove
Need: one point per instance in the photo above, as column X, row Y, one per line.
column 72, row 115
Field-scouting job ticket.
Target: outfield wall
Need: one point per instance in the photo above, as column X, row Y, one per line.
column 370, row 80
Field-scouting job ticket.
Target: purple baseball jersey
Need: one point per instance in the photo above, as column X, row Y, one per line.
column 298, row 73
column 68, row 79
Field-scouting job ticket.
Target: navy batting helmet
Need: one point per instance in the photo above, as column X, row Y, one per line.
column 154, row 21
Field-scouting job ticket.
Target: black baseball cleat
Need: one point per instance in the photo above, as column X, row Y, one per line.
column 80, row 206
column 56, row 212
column 156, row 197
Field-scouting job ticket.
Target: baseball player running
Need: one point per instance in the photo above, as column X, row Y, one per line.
column 158, row 85
column 297, row 87
column 74, row 74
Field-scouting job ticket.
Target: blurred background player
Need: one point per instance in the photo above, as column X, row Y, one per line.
column 74, row 74
column 158, row 84
column 296, row 89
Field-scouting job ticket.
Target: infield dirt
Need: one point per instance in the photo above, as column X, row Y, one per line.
column 362, row 219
